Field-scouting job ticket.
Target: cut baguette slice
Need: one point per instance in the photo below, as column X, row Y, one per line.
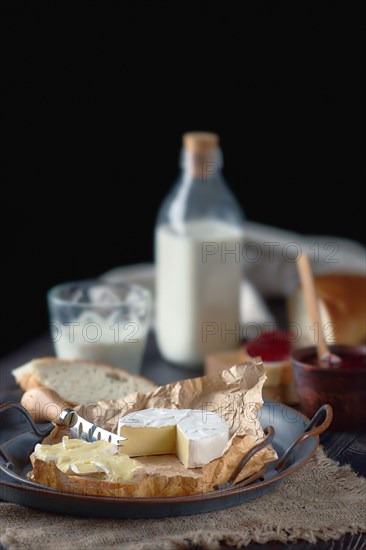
column 80, row 381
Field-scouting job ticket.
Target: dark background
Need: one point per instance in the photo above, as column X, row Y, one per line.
column 94, row 101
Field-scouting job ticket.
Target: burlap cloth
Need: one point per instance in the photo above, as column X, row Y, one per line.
column 322, row 500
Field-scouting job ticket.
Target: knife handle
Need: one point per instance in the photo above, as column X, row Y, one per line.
column 45, row 405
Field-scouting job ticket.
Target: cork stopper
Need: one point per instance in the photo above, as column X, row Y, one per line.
column 200, row 142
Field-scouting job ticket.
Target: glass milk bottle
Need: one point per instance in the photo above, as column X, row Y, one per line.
column 198, row 256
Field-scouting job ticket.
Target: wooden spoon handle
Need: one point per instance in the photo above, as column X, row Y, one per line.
column 308, row 285
column 44, row 405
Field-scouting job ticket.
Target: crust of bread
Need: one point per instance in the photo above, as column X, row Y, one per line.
column 142, row 486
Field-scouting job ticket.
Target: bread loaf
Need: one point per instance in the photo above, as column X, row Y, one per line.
column 342, row 307
column 79, row 381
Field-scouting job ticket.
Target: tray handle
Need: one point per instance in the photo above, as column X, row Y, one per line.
column 269, row 435
column 317, row 425
column 41, row 433
column 15, row 405
column 6, row 465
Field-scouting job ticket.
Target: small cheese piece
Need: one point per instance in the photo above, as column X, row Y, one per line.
column 195, row 436
column 75, row 456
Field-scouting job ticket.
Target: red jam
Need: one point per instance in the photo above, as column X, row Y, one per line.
column 349, row 361
column 270, row 346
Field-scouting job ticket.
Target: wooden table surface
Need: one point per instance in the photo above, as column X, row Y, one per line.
column 346, row 448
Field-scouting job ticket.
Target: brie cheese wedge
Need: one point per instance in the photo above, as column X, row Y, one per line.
column 195, row 436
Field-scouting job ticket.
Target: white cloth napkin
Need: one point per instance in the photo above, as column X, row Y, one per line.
column 274, row 273
column 270, row 269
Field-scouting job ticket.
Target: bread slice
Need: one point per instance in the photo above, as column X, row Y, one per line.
column 80, row 381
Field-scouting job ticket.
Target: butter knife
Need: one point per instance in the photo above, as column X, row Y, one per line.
column 45, row 405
